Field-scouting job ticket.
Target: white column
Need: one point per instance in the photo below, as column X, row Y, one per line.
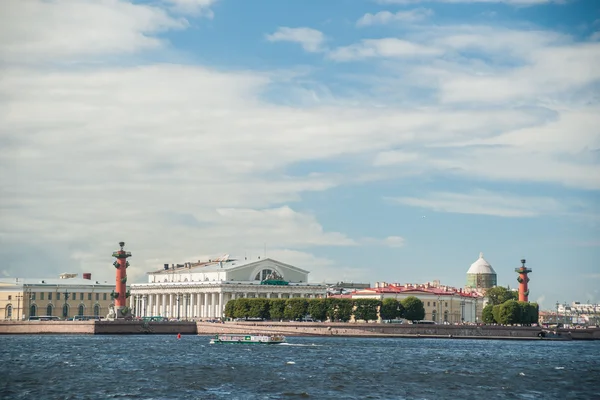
column 170, row 308
column 204, row 305
column 221, row 306
column 143, row 311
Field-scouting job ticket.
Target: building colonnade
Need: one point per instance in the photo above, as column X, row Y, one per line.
column 188, row 303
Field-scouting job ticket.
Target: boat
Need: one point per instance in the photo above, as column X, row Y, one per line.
column 555, row 335
column 249, row 339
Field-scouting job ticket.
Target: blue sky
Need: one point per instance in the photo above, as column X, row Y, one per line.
column 388, row 140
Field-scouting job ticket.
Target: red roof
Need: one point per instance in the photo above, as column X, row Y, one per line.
column 437, row 291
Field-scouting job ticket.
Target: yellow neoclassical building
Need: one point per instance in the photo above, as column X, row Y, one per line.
column 63, row 297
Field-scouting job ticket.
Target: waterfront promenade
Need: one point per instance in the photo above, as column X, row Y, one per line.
column 287, row 329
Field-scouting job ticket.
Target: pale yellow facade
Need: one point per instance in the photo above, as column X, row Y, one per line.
column 21, row 299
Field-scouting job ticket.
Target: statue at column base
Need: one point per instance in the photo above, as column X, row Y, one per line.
column 111, row 313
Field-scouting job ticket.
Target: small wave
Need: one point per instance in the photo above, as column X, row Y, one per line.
column 559, row 367
column 291, row 362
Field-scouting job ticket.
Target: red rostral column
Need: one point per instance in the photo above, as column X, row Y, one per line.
column 523, row 280
column 120, row 294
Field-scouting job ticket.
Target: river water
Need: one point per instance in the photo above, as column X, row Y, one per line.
column 164, row 367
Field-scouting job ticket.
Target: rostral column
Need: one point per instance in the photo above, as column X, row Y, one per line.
column 523, row 280
column 120, row 294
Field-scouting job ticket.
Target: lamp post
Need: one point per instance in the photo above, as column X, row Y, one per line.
column 462, row 311
column 19, row 297
column 65, row 306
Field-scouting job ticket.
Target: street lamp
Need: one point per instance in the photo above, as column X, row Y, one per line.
column 65, row 306
column 19, row 297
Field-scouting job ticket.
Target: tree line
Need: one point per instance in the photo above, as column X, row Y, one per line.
column 504, row 308
column 333, row 309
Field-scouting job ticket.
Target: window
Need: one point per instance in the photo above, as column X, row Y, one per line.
column 10, row 297
column 434, row 303
column 98, row 296
column 50, row 296
column 33, row 310
column 57, row 296
column 81, row 309
column 80, row 296
column 42, row 296
column 9, row 311
column 32, row 296
column 103, row 296
column 262, row 275
column 446, row 304
column 434, row 315
column 49, row 310
column 89, row 296
column 428, row 304
column 96, row 309
column 446, row 316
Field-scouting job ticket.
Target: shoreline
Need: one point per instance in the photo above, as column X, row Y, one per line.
column 291, row 329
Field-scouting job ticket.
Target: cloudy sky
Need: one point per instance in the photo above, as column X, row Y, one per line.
column 363, row 140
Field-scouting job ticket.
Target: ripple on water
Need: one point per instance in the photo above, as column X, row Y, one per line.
column 157, row 367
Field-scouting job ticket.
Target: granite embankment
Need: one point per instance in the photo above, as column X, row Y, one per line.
column 388, row 330
column 285, row 328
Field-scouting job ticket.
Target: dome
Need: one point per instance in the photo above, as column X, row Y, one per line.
column 481, row 266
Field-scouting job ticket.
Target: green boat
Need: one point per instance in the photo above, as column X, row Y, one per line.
column 248, row 339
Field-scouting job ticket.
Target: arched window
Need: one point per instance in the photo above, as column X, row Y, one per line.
column 81, row 310
column 65, row 311
column 33, row 310
column 49, row 310
column 433, row 315
column 262, row 275
column 97, row 310
column 446, row 316
column 9, row 311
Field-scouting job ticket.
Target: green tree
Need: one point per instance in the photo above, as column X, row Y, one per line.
column 317, row 308
column 344, row 310
column 510, row 312
column 413, row 308
column 366, row 309
column 487, row 314
column 259, row 308
column 230, row 309
column 295, row 308
column 529, row 312
column 277, row 309
column 496, row 312
column 390, row 309
column 499, row 294
column 241, row 308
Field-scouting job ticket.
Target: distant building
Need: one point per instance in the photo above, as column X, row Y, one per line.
column 201, row 289
column 65, row 297
column 481, row 275
column 443, row 304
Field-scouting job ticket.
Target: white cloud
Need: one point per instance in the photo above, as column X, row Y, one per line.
column 483, row 202
column 394, row 157
column 394, row 241
column 194, row 7
column 386, row 17
column 310, row 39
column 39, row 30
column 388, row 47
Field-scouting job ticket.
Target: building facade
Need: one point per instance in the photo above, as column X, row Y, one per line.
column 66, row 297
column 443, row 304
column 201, row 290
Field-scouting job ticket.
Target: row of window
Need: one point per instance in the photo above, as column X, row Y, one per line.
column 33, row 310
column 72, row 296
column 429, row 305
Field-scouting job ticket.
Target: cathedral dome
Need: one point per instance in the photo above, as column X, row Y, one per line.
column 481, row 266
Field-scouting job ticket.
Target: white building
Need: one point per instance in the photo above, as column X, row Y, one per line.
column 201, row 290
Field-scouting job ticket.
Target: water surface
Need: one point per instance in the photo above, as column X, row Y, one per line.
column 162, row 367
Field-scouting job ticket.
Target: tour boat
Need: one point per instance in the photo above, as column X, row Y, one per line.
column 250, row 339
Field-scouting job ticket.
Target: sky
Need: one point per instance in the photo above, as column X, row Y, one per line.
column 362, row 140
